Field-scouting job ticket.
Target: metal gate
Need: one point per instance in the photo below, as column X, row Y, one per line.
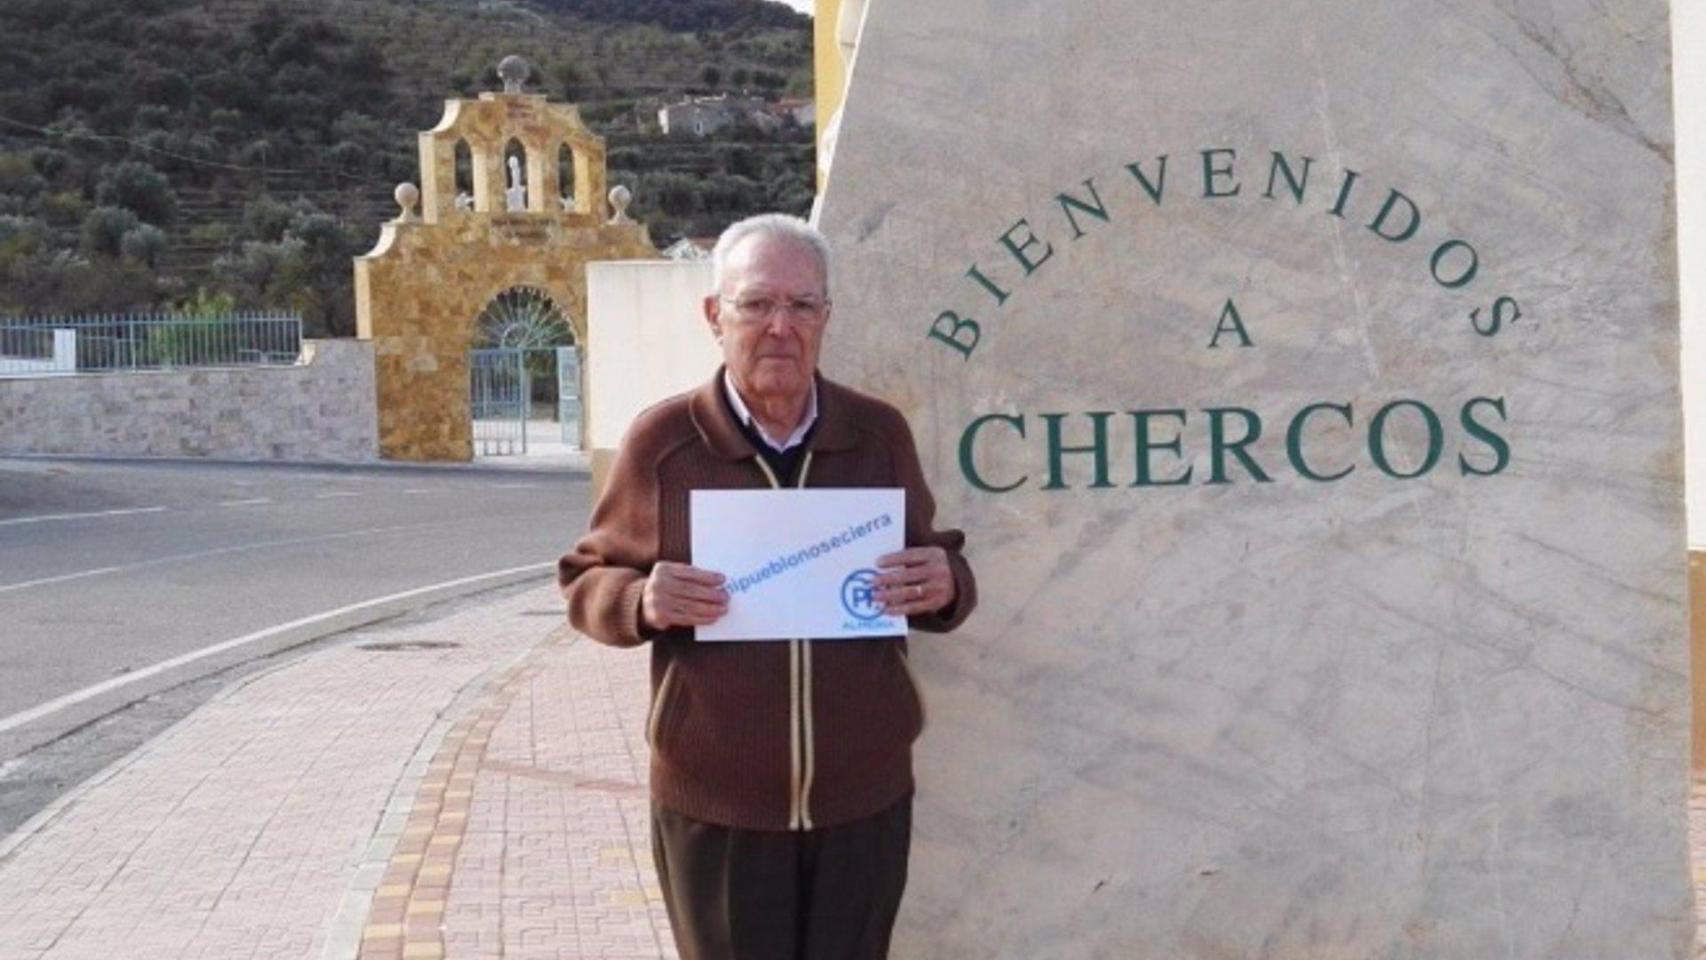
column 500, row 392
column 569, row 408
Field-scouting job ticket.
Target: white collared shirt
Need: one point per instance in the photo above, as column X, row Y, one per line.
column 745, row 416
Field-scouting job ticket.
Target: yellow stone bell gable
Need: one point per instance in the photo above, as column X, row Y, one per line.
column 452, row 251
column 487, row 126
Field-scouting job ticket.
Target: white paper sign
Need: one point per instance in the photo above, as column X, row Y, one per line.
column 799, row 563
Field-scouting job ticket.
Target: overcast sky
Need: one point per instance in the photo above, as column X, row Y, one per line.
column 804, row 6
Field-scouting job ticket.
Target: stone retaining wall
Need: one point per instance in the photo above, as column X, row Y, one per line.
column 322, row 409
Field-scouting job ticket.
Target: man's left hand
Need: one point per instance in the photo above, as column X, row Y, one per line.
column 915, row 581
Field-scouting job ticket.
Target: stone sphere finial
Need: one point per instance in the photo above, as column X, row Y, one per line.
column 408, row 197
column 620, row 197
column 514, row 71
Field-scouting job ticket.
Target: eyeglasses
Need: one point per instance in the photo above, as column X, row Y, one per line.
column 799, row 311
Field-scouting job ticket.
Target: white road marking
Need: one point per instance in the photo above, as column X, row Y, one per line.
column 44, row 581
column 245, row 503
column 81, row 516
column 237, row 548
column 57, row 704
column 416, row 490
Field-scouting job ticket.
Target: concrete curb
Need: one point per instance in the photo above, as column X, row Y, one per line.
column 96, row 709
column 35, row 733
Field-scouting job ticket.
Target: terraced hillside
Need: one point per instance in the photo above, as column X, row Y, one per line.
column 162, row 151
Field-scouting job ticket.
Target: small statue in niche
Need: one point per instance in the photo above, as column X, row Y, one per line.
column 464, row 202
column 567, row 202
column 515, row 198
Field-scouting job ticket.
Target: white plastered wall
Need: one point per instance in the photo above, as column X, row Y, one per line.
column 1688, row 24
column 646, row 340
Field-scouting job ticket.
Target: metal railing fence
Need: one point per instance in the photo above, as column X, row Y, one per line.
column 158, row 341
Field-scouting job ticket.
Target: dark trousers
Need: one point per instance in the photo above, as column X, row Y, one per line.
column 828, row 894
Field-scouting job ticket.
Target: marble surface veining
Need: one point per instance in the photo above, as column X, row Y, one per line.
column 1368, row 716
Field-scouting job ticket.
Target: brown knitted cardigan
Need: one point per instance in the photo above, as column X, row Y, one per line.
column 786, row 735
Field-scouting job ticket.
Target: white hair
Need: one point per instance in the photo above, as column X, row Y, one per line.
column 780, row 225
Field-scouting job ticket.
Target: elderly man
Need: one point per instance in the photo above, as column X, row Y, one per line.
column 781, row 772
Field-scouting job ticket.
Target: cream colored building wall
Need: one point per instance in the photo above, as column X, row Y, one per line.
column 1688, row 21
column 646, row 340
column 1688, row 66
column 829, row 80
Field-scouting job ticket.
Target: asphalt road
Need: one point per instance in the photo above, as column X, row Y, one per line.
column 108, row 569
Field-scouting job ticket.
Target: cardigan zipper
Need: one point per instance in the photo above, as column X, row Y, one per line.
column 802, row 754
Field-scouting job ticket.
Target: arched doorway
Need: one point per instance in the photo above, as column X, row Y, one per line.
column 524, row 376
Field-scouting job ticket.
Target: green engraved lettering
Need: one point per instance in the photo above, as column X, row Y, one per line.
column 1211, row 172
column 1469, row 271
column 1095, row 208
column 1147, row 445
column 1501, row 449
column 1377, row 439
column 1344, row 193
column 1505, row 310
column 968, row 451
column 1230, row 322
column 1295, row 184
column 1154, row 189
column 1057, row 450
column 977, row 276
column 956, row 327
column 1378, row 224
column 1294, row 440
column 1220, row 446
column 1018, row 247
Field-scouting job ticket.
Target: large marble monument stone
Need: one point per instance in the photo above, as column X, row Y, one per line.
column 1305, row 375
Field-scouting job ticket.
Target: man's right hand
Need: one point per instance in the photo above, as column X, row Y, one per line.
column 678, row 595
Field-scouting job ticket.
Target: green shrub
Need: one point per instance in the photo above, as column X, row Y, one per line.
column 141, row 189
column 144, row 244
column 104, row 229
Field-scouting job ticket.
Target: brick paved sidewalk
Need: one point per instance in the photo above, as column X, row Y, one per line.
column 479, row 792
column 530, row 836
